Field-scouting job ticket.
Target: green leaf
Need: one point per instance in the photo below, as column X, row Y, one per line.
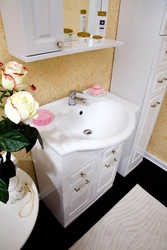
column 4, row 195
column 32, row 134
column 12, row 140
column 29, row 134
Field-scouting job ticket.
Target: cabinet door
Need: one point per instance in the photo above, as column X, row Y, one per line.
column 77, row 199
column 32, row 26
column 107, row 168
column 149, row 114
column 42, row 25
column 80, row 190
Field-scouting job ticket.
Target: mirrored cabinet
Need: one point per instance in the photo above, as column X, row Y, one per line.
column 34, row 29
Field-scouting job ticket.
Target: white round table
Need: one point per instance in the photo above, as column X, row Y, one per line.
column 17, row 220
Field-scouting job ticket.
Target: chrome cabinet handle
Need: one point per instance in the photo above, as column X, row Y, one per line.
column 163, row 80
column 155, row 105
column 84, row 185
column 110, row 164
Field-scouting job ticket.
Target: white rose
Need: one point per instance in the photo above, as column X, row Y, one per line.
column 13, row 75
column 21, row 106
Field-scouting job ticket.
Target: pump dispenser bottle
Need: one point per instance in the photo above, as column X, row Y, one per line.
column 82, row 20
column 101, row 21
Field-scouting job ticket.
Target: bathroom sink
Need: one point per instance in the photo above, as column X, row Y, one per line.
column 94, row 121
column 99, row 123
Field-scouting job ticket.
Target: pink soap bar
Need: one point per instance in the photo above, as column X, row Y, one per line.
column 44, row 117
column 97, row 90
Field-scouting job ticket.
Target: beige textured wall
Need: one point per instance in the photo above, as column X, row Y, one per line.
column 55, row 77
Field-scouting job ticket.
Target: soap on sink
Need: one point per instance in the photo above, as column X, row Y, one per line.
column 96, row 90
column 44, row 117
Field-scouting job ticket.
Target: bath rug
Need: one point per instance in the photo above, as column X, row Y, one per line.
column 137, row 222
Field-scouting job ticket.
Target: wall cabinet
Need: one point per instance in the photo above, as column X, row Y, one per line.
column 34, row 30
column 70, row 184
column 30, row 26
column 140, row 70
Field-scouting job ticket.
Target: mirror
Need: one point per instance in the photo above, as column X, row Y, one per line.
column 72, row 14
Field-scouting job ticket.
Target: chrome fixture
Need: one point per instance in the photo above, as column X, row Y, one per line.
column 72, row 99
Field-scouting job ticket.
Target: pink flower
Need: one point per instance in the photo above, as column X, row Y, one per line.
column 13, row 75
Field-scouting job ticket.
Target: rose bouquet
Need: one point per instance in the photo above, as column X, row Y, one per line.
column 18, row 105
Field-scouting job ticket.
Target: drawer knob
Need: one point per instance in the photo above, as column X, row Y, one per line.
column 110, row 164
column 60, row 44
column 83, row 175
column 84, row 185
column 163, row 80
column 114, row 152
column 155, row 105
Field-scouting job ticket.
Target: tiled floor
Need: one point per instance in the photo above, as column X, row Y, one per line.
column 49, row 234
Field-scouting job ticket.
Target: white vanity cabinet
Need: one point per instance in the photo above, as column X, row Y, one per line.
column 32, row 27
column 69, row 184
column 140, row 70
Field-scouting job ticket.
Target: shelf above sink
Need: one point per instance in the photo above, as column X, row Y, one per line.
column 76, row 48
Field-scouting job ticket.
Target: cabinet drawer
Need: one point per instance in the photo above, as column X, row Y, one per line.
column 157, row 81
column 74, row 161
column 87, row 169
column 109, row 153
column 160, row 57
column 78, row 177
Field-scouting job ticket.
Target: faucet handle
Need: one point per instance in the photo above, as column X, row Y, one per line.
column 74, row 92
column 72, row 98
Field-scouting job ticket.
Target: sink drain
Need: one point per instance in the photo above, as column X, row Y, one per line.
column 88, row 132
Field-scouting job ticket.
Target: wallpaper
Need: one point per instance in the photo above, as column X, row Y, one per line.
column 54, row 78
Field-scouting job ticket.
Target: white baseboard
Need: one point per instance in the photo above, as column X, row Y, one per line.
column 156, row 160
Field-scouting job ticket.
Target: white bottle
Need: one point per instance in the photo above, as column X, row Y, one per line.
column 83, row 20
column 101, row 21
column 68, row 37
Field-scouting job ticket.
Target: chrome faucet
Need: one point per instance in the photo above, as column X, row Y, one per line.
column 72, row 99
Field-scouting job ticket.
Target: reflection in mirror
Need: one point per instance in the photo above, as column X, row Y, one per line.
column 72, row 10
column 94, row 7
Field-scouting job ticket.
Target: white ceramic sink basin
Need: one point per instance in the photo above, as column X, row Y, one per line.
column 96, row 121
column 99, row 123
